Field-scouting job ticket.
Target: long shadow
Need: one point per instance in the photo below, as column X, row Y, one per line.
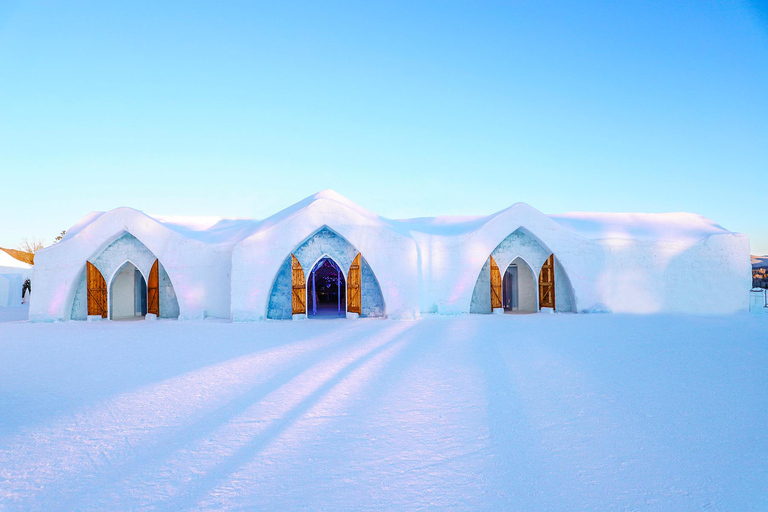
column 402, row 362
column 218, row 475
column 513, row 441
column 105, row 384
column 178, row 438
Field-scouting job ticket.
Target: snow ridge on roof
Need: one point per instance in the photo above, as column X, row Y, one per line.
column 590, row 225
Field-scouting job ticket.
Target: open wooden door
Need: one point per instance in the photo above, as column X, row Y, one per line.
column 547, row 283
column 354, row 304
column 97, row 291
column 298, row 288
column 495, row 285
column 153, row 291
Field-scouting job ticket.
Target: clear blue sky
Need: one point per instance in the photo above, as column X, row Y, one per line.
column 408, row 108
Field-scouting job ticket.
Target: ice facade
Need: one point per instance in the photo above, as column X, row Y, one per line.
column 521, row 249
column 127, row 248
column 324, row 243
column 241, row 269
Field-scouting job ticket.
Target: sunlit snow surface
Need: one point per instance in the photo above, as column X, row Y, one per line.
column 473, row 412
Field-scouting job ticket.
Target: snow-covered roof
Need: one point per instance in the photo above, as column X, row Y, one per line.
column 206, row 229
column 591, row 225
column 8, row 261
column 595, row 226
column 640, row 226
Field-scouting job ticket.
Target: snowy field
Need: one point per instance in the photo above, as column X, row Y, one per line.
column 474, row 412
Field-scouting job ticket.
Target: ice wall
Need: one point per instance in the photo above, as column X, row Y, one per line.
column 712, row 275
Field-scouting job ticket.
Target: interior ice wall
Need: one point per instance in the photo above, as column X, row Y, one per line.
column 122, row 293
column 527, row 287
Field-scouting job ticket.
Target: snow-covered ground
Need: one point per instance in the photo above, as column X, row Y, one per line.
column 473, row 412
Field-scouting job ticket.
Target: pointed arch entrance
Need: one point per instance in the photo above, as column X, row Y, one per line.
column 327, row 255
column 96, row 290
column 326, row 290
column 128, row 294
column 521, row 275
column 519, row 288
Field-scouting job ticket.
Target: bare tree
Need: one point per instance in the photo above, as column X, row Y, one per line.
column 31, row 245
column 60, row 237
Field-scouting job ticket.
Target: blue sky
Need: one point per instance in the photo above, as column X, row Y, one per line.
column 408, row 108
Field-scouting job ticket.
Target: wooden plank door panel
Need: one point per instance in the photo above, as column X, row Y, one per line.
column 354, row 277
column 547, row 283
column 495, row 285
column 97, row 291
column 298, row 288
column 153, row 291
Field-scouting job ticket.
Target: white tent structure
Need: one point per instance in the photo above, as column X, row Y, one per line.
column 328, row 256
column 13, row 273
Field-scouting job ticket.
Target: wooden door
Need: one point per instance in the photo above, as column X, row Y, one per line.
column 495, row 285
column 153, row 291
column 97, row 291
column 354, row 304
column 547, row 283
column 298, row 288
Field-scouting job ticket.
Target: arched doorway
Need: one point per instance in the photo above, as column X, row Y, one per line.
column 94, row 291
column 524, row 250
column 519, row 288
column 128, row 294
column 291, row 293
column 326, row 290
column 509, row 288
